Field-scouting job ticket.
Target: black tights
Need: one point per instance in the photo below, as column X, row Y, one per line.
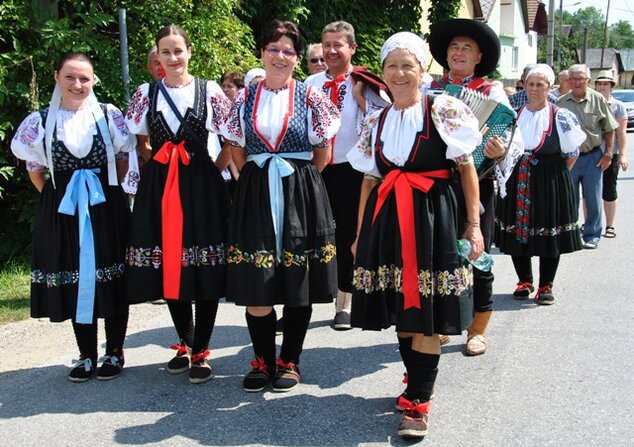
column 86, row 336
column 262, row 331
column 547, row 269
column 194, row 336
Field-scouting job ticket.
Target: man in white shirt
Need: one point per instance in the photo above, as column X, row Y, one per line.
column 342, row 181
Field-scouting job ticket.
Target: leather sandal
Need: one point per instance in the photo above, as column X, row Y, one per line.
column 476, row 344
column 609, row 232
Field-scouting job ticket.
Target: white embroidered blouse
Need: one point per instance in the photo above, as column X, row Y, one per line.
column 76, row 128
column 456, row 125
column 534, row 126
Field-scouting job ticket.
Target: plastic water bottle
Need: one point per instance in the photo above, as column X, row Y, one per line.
column 484, row 262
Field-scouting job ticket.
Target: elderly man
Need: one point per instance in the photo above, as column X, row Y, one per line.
column 599, row 124
column 564, row 84
column 604, row 85
column 343, row 183
column 154, row 66
column 470, row 50
column 519, row 99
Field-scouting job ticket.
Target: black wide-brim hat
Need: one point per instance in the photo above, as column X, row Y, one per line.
column 442, row 33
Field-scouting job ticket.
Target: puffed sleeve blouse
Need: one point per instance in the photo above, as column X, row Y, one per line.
column 183, row 96
column 534, row 125
column 456, row 125
column 323, row 118
column 76, row 128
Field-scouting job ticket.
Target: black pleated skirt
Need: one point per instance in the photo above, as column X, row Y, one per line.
column 444, row 280
column 306, row 271
column 205, row 206
column 539, row 216
column 55, row 257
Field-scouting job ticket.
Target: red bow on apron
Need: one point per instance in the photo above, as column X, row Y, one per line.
column 403, row 184
column 172, row 217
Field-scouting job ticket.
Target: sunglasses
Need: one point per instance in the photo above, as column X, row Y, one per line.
column 314, row 60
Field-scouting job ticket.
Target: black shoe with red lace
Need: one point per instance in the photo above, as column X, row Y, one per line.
column 200, row 369
column 523, row 290
column 257, row 379
column 415, row 420
column 287, row 376
column 180, row 363
column 545, row 295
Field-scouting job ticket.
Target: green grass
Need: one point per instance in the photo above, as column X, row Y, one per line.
column 15, row 281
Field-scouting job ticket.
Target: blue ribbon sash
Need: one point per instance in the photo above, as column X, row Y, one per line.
column 278, row 168
column 84, row 190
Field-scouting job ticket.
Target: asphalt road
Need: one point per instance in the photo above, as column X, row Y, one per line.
column 554, row 376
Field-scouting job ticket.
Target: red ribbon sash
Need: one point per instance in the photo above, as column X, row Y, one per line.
column 172, row 217
column 334, row 98
column 403, row 184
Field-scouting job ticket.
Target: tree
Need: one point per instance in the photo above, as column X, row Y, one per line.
column 30, row 45
column 621, row 35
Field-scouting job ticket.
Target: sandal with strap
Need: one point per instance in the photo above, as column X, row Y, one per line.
column 609, row 233
column 476, row 345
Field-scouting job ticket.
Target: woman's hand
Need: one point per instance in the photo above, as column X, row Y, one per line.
column 474, row 236
column 494, row 148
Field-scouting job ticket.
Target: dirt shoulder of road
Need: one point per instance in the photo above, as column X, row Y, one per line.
column 32, row 342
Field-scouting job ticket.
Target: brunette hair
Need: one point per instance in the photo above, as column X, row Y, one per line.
column 276, row 29
column 234, row 77
column 341, row 27
column 73, row 57
column 168, row 31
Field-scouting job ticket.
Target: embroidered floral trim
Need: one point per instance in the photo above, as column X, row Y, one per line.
column 29, row 129
column 138, row 105
column 443, row 282
column 191, row 79
column 324, row 113
column 190, row 257
column 539, row 231
column 275, row 90
column 119, row 121
column 57, row 279
column 266, row 258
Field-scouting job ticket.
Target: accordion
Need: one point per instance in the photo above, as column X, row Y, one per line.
column 494, row 119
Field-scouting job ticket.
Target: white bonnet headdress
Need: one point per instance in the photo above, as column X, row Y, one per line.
column 544, row 70
column 406, row 41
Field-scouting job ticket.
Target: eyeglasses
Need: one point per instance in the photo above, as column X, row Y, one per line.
column 276, row 51
column 578, row 79
column 314, row 60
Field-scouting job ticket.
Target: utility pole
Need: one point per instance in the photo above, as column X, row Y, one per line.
column 561, row 32
column 551, row 33
column 605, row 33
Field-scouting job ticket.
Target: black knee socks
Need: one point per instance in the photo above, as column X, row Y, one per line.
column 523, row 268
column 116, row 328
column 404, row 348
column 262, row 331
column 547, row 270
column 296, row 320
column 182, row 317
column 206, row 311
column 194, row 336
column 421, row 375
column 86, row 336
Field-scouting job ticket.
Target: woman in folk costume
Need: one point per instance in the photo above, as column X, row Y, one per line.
column 413, row 208
column 539, row 215
column 281, row 246
column 176, row 248
column 81, row 220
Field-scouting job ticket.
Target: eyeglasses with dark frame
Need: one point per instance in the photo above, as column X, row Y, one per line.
column 314, row 60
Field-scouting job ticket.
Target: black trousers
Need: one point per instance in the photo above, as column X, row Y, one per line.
column 343, row 184
column 483, row 281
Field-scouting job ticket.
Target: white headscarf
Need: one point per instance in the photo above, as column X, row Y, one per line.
column 544, row 70
column 252, row 74
column 405, row 41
